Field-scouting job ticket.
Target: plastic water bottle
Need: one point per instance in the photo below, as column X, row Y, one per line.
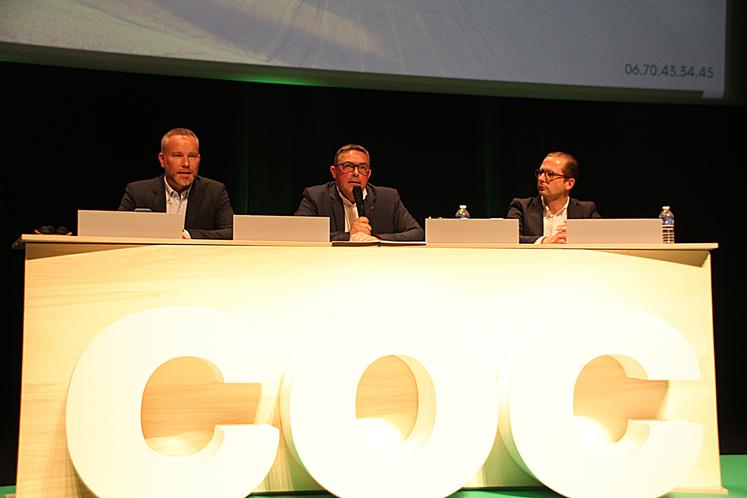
column 667, row 225
column 462, row 212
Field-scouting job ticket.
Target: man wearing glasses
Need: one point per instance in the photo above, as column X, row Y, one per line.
column 542, row 219
column 386, row 218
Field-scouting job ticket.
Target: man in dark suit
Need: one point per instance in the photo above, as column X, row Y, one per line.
column 386, row 218
column 542, row 219
column 204, row 202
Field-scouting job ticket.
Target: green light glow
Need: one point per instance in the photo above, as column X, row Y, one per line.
column 274, row 80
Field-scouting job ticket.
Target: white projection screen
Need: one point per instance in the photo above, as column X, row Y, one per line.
column 659, row 50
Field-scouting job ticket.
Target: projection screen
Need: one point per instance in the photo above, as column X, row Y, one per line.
column 639, row 49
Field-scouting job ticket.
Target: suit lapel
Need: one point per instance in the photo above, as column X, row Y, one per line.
column 574, row 211
column 369, row 204
column 193, row 203
column 338, row 214
column 159, row 195
column 535, row 223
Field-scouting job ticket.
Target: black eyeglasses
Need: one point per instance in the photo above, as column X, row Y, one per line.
column 549, row 175
column 363, row 168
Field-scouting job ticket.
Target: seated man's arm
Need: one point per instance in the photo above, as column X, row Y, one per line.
column 138, row 195
column 516, row 211
column 222, row 220
column 406, row 228
column 310, row 207
column 128, row 201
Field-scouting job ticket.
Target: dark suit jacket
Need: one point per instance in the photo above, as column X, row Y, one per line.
column 389, row 218
column 529, row 211
column 209, row 213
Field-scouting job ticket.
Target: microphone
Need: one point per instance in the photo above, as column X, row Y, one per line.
column 358, row 195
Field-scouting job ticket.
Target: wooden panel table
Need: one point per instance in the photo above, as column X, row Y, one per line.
column 76, row 287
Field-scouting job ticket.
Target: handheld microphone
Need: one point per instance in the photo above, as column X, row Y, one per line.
column 358, row 195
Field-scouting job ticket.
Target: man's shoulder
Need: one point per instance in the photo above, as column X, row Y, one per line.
column 205, row 182
column 320, row 189
column 383, row 192
column 148, row 182
column 582, row 204
column 582, row 209
column 525, row 201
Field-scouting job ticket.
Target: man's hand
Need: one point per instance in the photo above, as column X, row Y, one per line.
column 558, row 237
column 362, row 237
column 360, row 226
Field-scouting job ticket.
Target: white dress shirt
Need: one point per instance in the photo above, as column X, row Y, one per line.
column 177, row 203
column 351, row 209
column 551, row 222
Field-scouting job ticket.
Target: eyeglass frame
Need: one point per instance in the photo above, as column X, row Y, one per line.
column 550, row 176
column 348, row 167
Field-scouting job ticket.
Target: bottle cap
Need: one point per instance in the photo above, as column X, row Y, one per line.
column 665, row 207
column 462, row 206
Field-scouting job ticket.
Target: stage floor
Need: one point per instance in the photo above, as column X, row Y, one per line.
column 733, row 477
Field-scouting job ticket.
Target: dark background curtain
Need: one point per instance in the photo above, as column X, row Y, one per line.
column 75, row 137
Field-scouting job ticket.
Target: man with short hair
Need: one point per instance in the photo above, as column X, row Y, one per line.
column 203, row 202
column 542, row 219
column 386, row 218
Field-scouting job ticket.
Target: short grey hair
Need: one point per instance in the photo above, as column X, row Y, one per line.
column 182, row 132
column 349, row 147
